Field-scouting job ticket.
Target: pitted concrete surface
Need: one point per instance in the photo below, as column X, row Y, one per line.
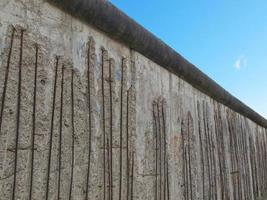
column 119, row 120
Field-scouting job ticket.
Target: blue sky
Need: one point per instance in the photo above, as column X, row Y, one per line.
column 226, row 39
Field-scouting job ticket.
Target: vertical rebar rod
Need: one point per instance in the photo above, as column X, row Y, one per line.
column 184, row 155
column 231, row 149
column 251, row 156
column 190, row 145
column 207, row 149
column 212, row 157
column 219, row 140
column 236, row 147
column 214, row 166
column 168, row 183
column 104, row 129
column 160, row 152
column 132, row 181
column 201, row 151
column 186, row 174
column 156, row 159
column 73, row 133
column 90, row 120
column 211, row 191
column 121, row 125
column 6, row 79
column 108, row 163
column 51, row 130
column 127, row 143
column 18, row 115
column 33, row 120
column 60, row 133
column 111, row 129
column 165, row 153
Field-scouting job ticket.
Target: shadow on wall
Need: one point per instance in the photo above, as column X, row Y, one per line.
column 262, row 198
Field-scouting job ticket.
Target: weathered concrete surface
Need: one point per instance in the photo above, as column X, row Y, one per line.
column 106, row 17
column 181, row 143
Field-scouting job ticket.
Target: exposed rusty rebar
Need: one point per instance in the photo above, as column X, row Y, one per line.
column 201, row 150
column 184, row 159
column 33, row 120
column 108, row 166
column 156, row 152
column 18, row 114
column 104, row 129
column 73, row 133
column 60, row 133
column 51, row 130
column 160, row 152
column 168, row 182
column 190, row 135
column 6, row 78
column 89, row 119
column 111, row 130
column 121, row 127
column 165, row 149
column 207, row 152
column 127, row 145
column 132, row 180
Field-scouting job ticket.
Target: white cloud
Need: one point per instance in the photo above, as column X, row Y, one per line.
column 240, row 62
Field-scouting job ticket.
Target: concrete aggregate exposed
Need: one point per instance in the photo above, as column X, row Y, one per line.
column 85, row 117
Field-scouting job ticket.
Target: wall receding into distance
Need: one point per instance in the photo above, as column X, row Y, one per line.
column 84, row 116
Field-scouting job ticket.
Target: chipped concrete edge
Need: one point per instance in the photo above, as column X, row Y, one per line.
column 104, row 16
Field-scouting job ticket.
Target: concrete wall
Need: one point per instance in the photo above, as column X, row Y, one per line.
column 80, row 112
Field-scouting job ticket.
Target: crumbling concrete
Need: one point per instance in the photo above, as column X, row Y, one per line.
column 107, row 115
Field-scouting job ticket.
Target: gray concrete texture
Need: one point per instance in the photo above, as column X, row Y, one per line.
column 84, row 117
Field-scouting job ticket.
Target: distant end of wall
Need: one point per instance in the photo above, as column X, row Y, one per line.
column 109, row 19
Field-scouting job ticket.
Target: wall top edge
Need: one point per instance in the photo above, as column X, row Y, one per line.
column 104, row 16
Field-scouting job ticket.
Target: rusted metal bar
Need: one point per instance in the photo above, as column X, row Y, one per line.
column 184, row 152
column 165, row 149
column 186, row 174
column 6, row 78
column 108, row 163
column 51, row 129
column 168, row 182
column 127, row 145
column 156, row 136
column 214, row 167
column 201, row 150
column 18, row 114
column 240, row 159
column 73, row 134
column 160, row 152
column 231, row 149
column 252, row 166
column 207, row 149
column 246, row 162
column 111, row 129
column 190, row 145
column 219, row 139
column 233, row 139
column 89, row 119
column 226, row 185
column 132, row 180
column 255, row 169
column 210, row 155
column 60, row 133
column 104, row 129
column 237, row 150
column 33, row 120
column 121, row 127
